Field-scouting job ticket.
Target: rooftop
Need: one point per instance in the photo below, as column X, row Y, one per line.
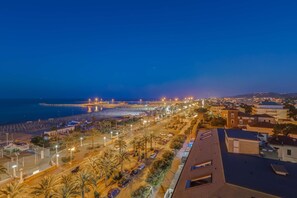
column 240, row 134
column 255, row 173
column 269, row 103
column 262, row 125
column 283, row 140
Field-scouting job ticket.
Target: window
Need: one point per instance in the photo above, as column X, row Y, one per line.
column 201, row 165
column 199, row 181
column 289, row 152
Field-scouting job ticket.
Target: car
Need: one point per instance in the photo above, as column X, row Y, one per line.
column 134, row 172
column 113, row 192
column 141, row 166
column 75, row 170
column 123, row 183
column 153, row 156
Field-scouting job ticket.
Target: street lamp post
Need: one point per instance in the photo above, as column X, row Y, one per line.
column 71, row 150
column 117, row 135
column 14, row 171
column 111, row 134
column 104, row 139
column 57, row 159
column 81, row 141
column 56, row 149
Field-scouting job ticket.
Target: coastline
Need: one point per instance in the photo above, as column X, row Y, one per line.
column 37, row 127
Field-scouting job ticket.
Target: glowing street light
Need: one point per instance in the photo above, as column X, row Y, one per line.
column 117, row 135
column 111, row 134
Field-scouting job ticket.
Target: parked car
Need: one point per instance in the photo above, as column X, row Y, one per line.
column 113, row 192
column 123, row 183
column 75, row 170
column 134, row 172
column 141, row 166
column 153, row 156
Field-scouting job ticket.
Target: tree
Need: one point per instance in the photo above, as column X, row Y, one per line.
column 152, row 137
column 3, row 170
column 122, row 155
column 95, row 180
column 107, row 164
column 145, row 140
column 285, row 129
column 68, row 188
column 83, row 181
column 142, row 192
column 13, row 190
column 218, row 121
column 93, row 133
column 47, row 187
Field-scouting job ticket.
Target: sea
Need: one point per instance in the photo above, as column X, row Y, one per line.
column 23, row 110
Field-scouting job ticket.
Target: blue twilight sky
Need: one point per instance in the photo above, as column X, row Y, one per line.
column 147, row 49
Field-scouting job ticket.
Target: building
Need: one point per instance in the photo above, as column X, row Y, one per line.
column 271, row 108
column 216, row 110
column 17, row 146
column 262, row 127
column 212, row 171
column 61, row 131
column 238, row 141
column 231, row 116
column 286, row 147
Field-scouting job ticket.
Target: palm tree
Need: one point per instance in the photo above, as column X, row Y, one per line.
column 152, row 137
column 3, row 170
column 83, row 181
column 121, row 145
column 93, row 132
column 121, row 157
column 122, row 154
column 95, row 180
column 68, row 188
column 106, row 163
column 13, row 190
column 46, row 187
column 93, row 165
column 145, row 140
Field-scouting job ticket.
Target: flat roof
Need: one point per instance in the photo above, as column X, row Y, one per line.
column 255, row 173
column 268, row 103
column 240, row 134
column 283, row 140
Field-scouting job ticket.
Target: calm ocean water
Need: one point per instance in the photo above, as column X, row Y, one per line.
column 22, row 110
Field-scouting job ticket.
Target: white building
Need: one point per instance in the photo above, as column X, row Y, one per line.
column 286, row 148
column 271, row 108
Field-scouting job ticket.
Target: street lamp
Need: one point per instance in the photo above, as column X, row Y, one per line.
column 56, row 149
column 117, row 135
column 14, row 171
column 104, row 139
column 57, row 159
column 81, row 139
column 71, row 150
column 111, row 134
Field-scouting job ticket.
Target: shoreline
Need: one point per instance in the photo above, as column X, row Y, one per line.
column 39, row 126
